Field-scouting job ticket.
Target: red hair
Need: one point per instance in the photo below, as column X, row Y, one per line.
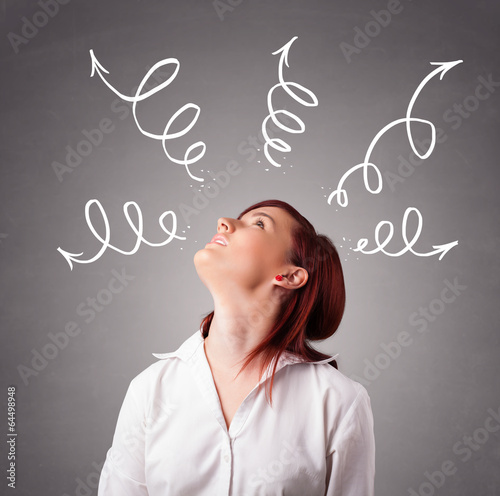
column 310, row 313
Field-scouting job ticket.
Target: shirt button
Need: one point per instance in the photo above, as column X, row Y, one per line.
column 226, row 458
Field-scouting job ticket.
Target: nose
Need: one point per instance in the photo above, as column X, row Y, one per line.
column 225, row 224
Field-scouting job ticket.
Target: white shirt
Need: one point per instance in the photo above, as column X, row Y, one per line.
column 171, row 438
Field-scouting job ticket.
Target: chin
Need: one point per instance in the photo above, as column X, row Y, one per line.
column 199, row 257
column 201, row 263
column 207, row 268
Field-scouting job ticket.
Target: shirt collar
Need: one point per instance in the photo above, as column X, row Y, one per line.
column 189, row 347
column 186, row 350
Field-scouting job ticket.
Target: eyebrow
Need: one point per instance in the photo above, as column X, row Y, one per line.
column 257, row 214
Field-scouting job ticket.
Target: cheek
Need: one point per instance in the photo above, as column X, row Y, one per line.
column 261, row 257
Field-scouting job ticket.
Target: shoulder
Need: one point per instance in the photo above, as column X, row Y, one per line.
column 169, row 364
column 330, row 380
column 156, row 374
column 342, row 397
column 151, row 374
column 336, row 381
column 348, row 416
column 149, row 393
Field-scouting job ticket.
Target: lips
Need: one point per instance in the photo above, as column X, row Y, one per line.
column 219, row 239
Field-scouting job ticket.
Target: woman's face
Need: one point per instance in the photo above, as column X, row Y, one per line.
column 248, row 252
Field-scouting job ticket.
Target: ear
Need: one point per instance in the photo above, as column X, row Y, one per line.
column 293, row 278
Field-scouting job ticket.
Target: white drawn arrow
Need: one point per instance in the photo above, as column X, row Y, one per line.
column 340, row 192
column 138, row 230
column 442, row 249
column 98, row 68
column 443, row 68
column 278, row 143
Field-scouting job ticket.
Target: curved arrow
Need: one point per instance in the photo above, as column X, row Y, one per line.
column 342, row 198
column 278, row 143
column 98, row 68
column 443, row 68
column 441, row 249
column 137, row 229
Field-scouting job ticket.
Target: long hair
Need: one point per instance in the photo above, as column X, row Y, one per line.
column 310, row 313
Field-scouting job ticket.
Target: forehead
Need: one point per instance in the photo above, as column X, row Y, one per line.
column 282, row 219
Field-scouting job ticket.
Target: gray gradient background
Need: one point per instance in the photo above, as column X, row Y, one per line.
column 440, row 387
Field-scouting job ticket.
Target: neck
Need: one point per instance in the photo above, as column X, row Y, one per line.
column 238, row 326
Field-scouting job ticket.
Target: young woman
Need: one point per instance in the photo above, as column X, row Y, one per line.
column 246, row 406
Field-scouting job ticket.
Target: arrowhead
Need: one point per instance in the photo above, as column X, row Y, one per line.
column 96, row 65
column 285, row 49
column 446, row 66
column 444, row 249
column 69, row 256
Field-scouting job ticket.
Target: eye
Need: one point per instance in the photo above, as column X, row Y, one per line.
column 260, row 223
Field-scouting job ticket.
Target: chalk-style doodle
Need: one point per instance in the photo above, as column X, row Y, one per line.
column 198, row 146
column 340, row 192
column 442, row 249
column 138, row 230
column 366, row 165
column 278, row 143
